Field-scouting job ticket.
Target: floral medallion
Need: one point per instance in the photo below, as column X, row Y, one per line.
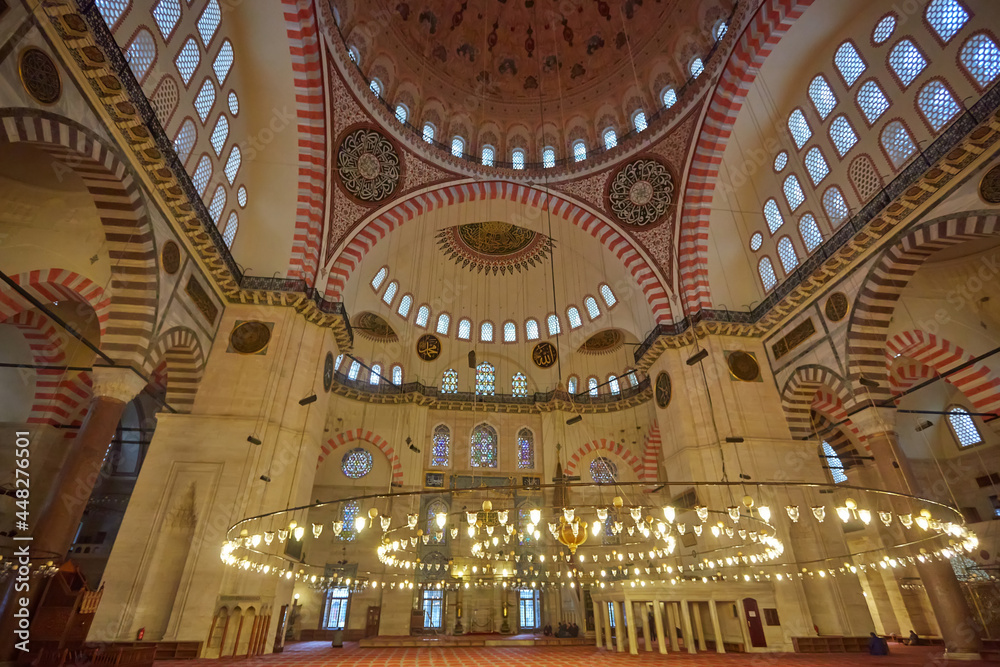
column 641, row 192
column 368, row 165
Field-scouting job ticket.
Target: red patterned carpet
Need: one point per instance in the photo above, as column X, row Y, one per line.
column 320, row 654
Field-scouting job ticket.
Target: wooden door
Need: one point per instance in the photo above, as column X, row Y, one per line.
column 755, row 627
column 371, row 625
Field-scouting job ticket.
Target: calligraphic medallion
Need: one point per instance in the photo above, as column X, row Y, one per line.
column 428, row 347
column 328, row 372
column 663, row 390
column 544, row 355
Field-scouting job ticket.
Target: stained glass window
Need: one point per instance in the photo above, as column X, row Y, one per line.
column 379, row 277
column 571, row 385
column 835, row 205
column 548, row 157
column 981, row 58
column 531, row 329
column 357, row 463
column 799, row 127
column 457, row 146
column 187, row 60
column 793, row 192
column 488, row 155
column 937, row 104
column 167, row 13
column 849, row 63
column 842, row 135
column 401, row 113
column 872, row 101
column 833, row 463
column 608, row 296
column 208, row 23
column 140, row 53
column 486, row 332
column 669, row 98
column 441, row 447
column 220, row 134
column 205, row 99
column 613, row 385
column 484, row 447
column 593, row 311
column 809, row 231
column 773, row 215
column 906, row 61
column 519, row 385
column 696, row 67
column 397, row 375
column 223, row 61
column 423, row 314
column 525, row 449
column 767, row 276
column 428, row 133
column 603, row 470
column 963, row 427
column 449, row 381
column 786, row 251
column 517, row 158
column 232, row 225
column 816, row 165
column 579, row 151
column 404, row 305
column 350, row 513
column 898, row 143
column 822, row 96
column 946, row 17
column 573, row 315
column 443, row 324
column 464, row 328
column 553, row 324
column 592, row 386
column 184, row 141
column 352, row 374
column 639, row 121
column 202, row 173
column 233, row 163
column 485, row 379
column 509, row 332
column 375, row 376
column 884, row 29
column 610, row 139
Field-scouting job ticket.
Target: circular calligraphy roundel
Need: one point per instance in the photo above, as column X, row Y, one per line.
column 428, row 347
column 641, row 192
column 368, row 165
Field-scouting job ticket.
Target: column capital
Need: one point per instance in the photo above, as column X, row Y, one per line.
column 875, row 421
column 120, row 383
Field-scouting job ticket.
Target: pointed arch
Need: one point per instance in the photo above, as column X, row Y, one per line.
column 909, row 374
column 604, row 444
column 181, row 351
column 372, row 438
column 813, row 387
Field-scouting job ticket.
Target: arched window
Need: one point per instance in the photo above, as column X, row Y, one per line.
column 457, row 146
column 402, row 113
column 720, row 30
column 799, row 127
column 443, row 324
column 579, row 151
column 780, row 161
column 397, row 375
column 517, row 158
column 906, row 61
column 610, row 139
column 981, row 59
column 233, row 163
column 608, row 296
column 842, row 135
column 669, row 97
column 548, row 157
column 184, row 141
column 223, row 61
column 963, row 427
column 350, row 513
column 593, row 311
column 484, row 447
column 208, row 22
column 603, row 470
column 340, row 360
column 428, row 133
column 937, row 104
column 767, row 277
column 379, row 278
column 639, row 120
column 390, row 293
column 232, row 226
column 441, row 447
column 167, row 13
column 946, row 17
column 485, row 379
column 573, row 315
column 809, row 231
column 633, row 377
column 218, row 203
column 786, row 252
column 519, row 385
column 531, row 329
column 202, row 173
column 822, row 96
column 864, row 177
column 849, row 63
column 464, row 328
column 205, row 99
column 112, row 10
column 833, row 463
column 816, row 165
column 352, row 53
column 187, row 60
column 352, row 374
column 696, row 67
column 613, row 385
column 553, row 325
column 872, row 101
column 220, row 134
column 434, row 533
column 897, row 143
column 486, row 332
column 375, row 376
column 571, row 384
column 793, row 192
column 404, row 306
column 376, row 87
column 423, row 315
column 884, row 29
column 835, row 205
column 756, row 241
column 773, row 215
column 487, row 156
column 592, row 386
column 449, row 381
column 525, row 449
column 140, row 54
column 509, row 332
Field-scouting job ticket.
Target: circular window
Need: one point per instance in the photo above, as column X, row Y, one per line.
column 780, row 160
column 357, row 463
column 241, row 196
column 756, row 241
column 883, row 30
column 234, row 103
column 603, row 471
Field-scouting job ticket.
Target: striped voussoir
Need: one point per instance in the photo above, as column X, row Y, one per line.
column 651, row 453
column 871, row 316
column 127, row 231
column 383, row 224
column 606, row 445
column 304, row 45
column 816, row 388
column 369, row 437
column 977, row 381
column 180, row 349
column 907, row 375
column 765, row 29
column 841, row 443
column 52, row 285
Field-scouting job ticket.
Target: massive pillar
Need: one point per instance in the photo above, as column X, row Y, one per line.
column 713, row 612
column 661, row 637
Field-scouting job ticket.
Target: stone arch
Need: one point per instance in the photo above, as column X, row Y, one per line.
column 127, row 229
column 50, row 285
column 871, row 316
column 604, row 444
column 813, row 387
column 651, row 453
column 371, row 438
column 180, row 352
column 906, row 375
column 382, row 224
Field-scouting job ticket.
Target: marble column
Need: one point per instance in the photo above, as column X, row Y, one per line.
column 672, row 620
column 608, row 640
column 713, row 612
column 661, row 637
column 686, row 627
column 619, row 626
column 633, row 644
column 647, row 638
column 698, row 627
column 598, row 625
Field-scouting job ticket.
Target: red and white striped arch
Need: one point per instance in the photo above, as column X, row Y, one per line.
column 606, row 445
column 348, row 260
column 907, row 375
column 369, row 437
column 51, row 285
column 765, row 29
column 651, row 453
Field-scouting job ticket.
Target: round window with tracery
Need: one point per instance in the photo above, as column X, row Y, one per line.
column 357, row 463
column 603, row 470
column 756, row 240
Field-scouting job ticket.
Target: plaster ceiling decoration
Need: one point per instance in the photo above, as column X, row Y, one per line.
column 368, row 165
column 494, row 246
column 603, row 342
column 641, row 193
column 374, row 327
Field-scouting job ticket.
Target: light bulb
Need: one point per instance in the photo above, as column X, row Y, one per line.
column 299, row 532
column 317, row 529
column 793, row 512
column 386, row 522
column 906, row 520
column 669, row 513
column 734, row 513
column 472, row 531
column 529, row 528
column 715, row 531
column 454, row 532
column 282, row 535
column 844, row 514
column 535, row 515
column 569, row 513
column 702, row 512
column 502, row 516
column 602, row 514
column 765, row 513
column 255, row 540
column 359, row 524
column 819, row 512
column 268, row 537
column 865, row 516
column 922, row 522
column 411, row 520
column 596, row 529
column 698, row 528
column 441, row 519
column 681, row 528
